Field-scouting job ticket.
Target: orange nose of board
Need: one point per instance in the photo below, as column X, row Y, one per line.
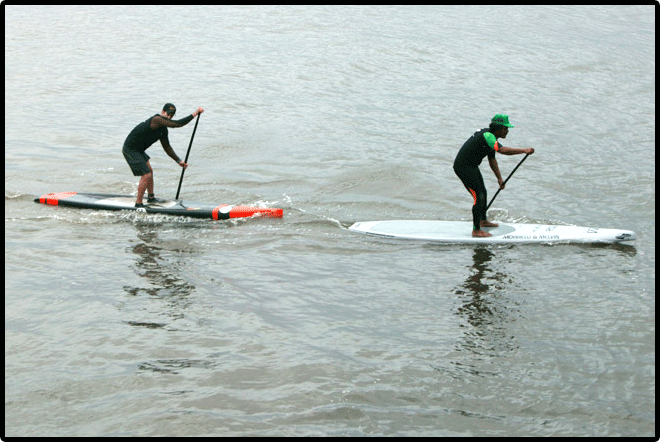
column 246, row 212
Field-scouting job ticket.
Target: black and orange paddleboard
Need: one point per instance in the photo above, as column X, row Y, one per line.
column 103, row 201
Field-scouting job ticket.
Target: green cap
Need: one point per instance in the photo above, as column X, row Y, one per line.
column 502, row 119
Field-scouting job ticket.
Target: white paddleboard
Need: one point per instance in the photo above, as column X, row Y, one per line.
column 506, row 233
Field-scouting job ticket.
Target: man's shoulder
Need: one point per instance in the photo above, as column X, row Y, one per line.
column 491, row 139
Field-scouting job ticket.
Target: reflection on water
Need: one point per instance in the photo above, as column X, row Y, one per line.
column 163, row 277
column 165, row 285
column 486, row 308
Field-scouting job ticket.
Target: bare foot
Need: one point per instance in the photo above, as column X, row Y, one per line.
column 488, row 224
column 480, row 234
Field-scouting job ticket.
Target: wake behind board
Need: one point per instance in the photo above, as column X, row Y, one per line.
column 506, row 233
column 102, row 201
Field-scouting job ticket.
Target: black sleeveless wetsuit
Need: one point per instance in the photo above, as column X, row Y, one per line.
column 143, row 136
column 466, row 165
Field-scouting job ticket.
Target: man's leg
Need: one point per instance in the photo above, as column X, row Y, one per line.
column 474, row 183
column 146, row 183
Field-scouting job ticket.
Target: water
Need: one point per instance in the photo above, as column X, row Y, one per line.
column 124, row 324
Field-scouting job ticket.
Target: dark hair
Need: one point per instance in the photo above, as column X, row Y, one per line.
column 494, row 127
column 169, row 108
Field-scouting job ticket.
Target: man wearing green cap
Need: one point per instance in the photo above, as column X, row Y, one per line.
column 466, row 165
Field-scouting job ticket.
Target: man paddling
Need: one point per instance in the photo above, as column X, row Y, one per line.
column 142, row 137
column 466, row 165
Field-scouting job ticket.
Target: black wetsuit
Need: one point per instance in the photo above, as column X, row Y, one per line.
column 143, row 136
column 466, row 165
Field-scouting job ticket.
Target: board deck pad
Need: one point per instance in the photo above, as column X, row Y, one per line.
column 461, row 232
column 101, row 201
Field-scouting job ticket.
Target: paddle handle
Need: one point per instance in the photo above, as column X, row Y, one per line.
column 187, row 155
column 505, row 181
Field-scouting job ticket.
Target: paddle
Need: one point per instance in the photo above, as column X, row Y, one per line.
column 188, row 154
column 507, row 179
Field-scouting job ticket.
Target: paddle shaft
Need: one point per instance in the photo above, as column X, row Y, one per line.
column 507, row 179
column 187, row 155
